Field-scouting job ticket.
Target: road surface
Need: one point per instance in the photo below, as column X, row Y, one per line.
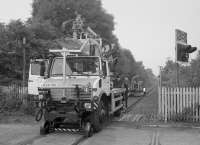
column 19, row 134
column 128, row 129
column 115, row 134
column 127, row 134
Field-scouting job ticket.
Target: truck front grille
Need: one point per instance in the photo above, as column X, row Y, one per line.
column 69, row 93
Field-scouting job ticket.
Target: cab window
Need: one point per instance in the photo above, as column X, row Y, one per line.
column 36, row 67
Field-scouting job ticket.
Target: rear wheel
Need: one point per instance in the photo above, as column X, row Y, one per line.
column 118, row 113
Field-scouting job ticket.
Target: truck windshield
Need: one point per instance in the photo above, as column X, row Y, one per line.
column 76, row 66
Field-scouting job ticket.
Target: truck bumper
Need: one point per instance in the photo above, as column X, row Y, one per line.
column 70, row 112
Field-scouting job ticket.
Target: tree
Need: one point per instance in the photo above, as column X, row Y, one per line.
column 127, row 66
column 58, row 11
column 195, row 71
column 188, row 74
column 46, row 26
column 125, row 63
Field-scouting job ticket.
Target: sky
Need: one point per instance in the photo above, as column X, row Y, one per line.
column 146, row 27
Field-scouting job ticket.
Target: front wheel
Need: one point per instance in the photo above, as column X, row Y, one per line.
column 45, row 129
column 99, row 117
column 88, row 129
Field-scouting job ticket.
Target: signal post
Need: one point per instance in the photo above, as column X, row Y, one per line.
column 182, row 50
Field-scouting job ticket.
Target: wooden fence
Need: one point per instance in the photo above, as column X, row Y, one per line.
column 179, row 104
column 17, row 91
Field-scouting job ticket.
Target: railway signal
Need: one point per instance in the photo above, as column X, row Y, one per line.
column 182, row 48
column 183, row 52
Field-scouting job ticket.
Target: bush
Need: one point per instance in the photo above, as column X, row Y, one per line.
column 10, row 104
column 28, row 109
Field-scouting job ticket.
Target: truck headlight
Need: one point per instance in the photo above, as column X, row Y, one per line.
column 87, row 105
column 40, row 96
column 144, row 89
column 87, row 89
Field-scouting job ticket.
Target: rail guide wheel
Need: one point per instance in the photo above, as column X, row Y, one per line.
column 46, row 128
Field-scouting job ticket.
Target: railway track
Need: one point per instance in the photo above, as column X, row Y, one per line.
column 81, row 139
column 139, row 99
column 129, row 116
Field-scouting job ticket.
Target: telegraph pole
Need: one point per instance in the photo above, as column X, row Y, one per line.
column 180, row 38
column 24, row 60
column 182, row 51
column 176, row 58
column 177, row 67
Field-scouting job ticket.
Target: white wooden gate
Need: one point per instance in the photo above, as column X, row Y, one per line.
column 179, row 104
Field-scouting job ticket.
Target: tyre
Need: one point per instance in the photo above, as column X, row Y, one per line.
column 42, row 131
column 45, row 129
column 88, row 129
column 118, row 113
column 96, row 122
column 99, row 117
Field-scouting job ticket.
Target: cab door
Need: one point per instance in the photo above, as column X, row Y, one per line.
column 105, row 78
column 35, row 79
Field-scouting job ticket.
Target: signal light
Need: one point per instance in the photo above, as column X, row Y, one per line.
column 183, row 52
column 191, row 49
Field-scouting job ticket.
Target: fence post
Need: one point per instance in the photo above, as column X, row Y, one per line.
column 193, row 102
column 178, row 102
column 171, row 103
column 190, row 104
column 168, row 104
column 175, row 94
column 181, row 102
column 186, row 103
column 165, row 103
column 196, row 105
column 159, row 101
column 183, row 108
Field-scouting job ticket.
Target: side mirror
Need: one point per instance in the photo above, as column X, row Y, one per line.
column 101, row 73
